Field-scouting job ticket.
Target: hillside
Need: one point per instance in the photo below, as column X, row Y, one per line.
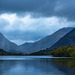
column 6, row 45
column 45, row 42
column 68, row 39
column 64, row 51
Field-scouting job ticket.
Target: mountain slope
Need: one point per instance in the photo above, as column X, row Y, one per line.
column 68, row 39
column 2, row 52
column 6, row 45
column 45, row 42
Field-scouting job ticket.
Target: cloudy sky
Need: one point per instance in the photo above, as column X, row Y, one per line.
column 30, row 20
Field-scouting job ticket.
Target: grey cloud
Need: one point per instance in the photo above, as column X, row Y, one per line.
column 43, row 8
column 65, row 8
column 3, row 23
column 27, row 5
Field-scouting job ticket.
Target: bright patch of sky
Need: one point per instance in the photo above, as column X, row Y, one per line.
column 42, row 26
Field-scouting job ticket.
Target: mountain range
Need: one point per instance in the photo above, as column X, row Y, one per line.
column 44, row 43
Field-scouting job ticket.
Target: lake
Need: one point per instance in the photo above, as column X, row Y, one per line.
column 36, row 65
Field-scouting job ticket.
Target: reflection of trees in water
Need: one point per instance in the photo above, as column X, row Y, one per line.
column 66, row 62
column 46, row 66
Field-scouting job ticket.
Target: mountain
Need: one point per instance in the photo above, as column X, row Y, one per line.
column 6, row 45
column 45, row 42
column 2, row 52
column 5, row 53
column 64, row 51
column 68, row 39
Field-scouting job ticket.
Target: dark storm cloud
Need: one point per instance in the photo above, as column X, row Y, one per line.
column 27, row 5
column 66, row 8
column 60, row 8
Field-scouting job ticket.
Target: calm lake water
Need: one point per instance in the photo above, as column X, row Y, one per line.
column 36, row 65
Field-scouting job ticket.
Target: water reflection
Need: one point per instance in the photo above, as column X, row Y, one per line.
column 68, row 63
column 38, row 66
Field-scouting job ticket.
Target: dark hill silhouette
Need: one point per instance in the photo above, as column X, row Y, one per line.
column 68, row 39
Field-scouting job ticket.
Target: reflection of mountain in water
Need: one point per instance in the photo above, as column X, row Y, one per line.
column 37, row 67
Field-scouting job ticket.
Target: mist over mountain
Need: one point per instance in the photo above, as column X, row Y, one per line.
column 6, row 45
column 68, row 39
column 45, row 42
